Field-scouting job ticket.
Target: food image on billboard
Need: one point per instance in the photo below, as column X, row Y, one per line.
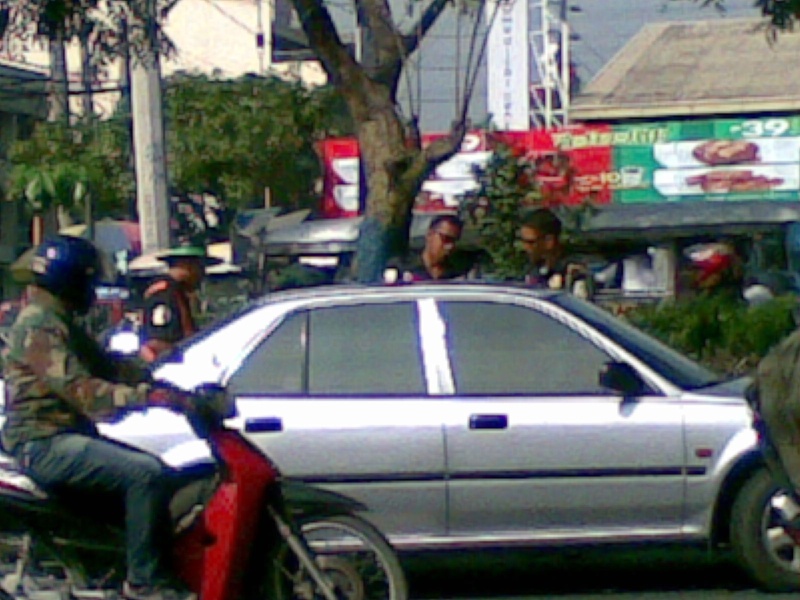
column 726, row 152
column 713, row 153
column 727, row 180
column 712, row 167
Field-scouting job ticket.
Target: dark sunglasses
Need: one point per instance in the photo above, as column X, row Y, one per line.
column 446, row 238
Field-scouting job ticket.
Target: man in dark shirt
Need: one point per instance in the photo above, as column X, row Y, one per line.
column 169, row 301
column 436, row 261
column 549, row 267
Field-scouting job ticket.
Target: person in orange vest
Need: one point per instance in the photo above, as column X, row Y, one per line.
column 169, row 315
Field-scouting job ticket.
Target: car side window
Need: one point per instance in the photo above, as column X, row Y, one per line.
column 502, row 349
column 367, row 349
column 276, row 365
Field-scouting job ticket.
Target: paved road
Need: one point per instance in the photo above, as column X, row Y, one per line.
column 650, row 574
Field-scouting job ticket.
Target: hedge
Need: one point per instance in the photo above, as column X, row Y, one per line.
column 727, row 335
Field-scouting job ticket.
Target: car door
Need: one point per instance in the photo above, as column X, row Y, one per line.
column 536, row 448
column 338, row 395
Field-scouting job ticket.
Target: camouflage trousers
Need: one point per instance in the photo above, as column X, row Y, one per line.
column 80, row 465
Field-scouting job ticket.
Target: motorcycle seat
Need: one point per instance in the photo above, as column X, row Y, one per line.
column 192, row 490
column 14, row 481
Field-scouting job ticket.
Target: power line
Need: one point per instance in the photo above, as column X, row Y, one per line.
column 231, row 18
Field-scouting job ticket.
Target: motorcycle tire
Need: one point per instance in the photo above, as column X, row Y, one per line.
column 357, row 559
column 45, row 574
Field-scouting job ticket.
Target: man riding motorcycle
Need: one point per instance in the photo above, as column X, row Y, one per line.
column 59, row 383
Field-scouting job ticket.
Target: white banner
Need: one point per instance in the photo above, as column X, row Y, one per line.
column 507, row 65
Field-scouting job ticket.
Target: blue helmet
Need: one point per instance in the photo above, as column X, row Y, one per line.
column 69, row 268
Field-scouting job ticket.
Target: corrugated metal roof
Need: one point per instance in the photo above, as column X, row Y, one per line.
column 23, row 91
column 696, row 68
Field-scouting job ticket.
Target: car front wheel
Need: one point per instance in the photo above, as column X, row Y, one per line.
column 758, row 536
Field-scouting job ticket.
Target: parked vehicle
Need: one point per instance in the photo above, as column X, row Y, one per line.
column 239, row 531
column 469, row 415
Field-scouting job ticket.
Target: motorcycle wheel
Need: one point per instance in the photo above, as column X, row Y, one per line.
column 358, row 561
column 45, row 575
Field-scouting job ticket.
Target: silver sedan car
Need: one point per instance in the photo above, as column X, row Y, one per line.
column 470, row 415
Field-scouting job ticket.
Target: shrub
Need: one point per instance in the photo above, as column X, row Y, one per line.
column 724, row 334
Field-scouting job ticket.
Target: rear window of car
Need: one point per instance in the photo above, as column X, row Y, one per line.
column 353, row 350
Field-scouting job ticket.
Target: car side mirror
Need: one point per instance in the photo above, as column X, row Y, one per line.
column 621, row 377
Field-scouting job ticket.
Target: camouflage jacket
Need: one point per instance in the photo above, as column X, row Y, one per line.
column 58, row 379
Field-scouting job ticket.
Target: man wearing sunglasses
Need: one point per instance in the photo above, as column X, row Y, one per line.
column 435, row 262
column 549, row 266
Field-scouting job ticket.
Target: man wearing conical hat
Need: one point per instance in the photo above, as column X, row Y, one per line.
column 168, row 315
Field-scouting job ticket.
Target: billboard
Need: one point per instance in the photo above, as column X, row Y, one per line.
column 669, row 161
column 507, row 70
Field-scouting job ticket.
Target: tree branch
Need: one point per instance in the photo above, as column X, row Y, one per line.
column 426, row 21
column 386, row 50
column 325, row 41
column 443, row 148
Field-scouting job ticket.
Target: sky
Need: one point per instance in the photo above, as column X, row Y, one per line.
column 602, row 26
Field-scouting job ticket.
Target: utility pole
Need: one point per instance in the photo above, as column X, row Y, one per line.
column 148, row 139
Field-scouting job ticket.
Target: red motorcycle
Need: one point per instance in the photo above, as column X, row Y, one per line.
column 241, row 532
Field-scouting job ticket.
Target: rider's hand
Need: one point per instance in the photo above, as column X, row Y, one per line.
column 165, row 396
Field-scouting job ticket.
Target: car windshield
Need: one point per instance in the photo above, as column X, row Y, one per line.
column 674, row 366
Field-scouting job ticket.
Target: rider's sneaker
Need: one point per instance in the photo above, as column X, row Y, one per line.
column 132, row 592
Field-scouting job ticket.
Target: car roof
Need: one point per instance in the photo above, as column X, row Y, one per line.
column 403, row 289
column 354, row 291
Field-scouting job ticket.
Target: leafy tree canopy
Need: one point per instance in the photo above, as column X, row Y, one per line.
column 234, row 138
column 65, row 166
column 70, row 19
column 781, row 14
column 228, row 138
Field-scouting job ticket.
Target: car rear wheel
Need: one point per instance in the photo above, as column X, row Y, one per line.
column 759, row 537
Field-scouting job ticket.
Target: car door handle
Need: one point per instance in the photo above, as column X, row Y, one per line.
column 488, row 422
column 265, row 425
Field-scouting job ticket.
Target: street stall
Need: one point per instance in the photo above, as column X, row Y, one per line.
column 652, row 251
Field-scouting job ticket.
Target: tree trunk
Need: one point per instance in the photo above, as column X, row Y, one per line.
column 58, row 91
column 87, row 77
column 389, row 201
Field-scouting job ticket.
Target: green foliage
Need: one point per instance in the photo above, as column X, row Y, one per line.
column 497, row 206
column 721, row 332
column 780, row 14
column 507, row 189
column 233, row 138
column 65, row 166
column 75, row 19
column 228, row 138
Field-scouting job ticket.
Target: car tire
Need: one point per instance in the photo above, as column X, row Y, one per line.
column 759, row 542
